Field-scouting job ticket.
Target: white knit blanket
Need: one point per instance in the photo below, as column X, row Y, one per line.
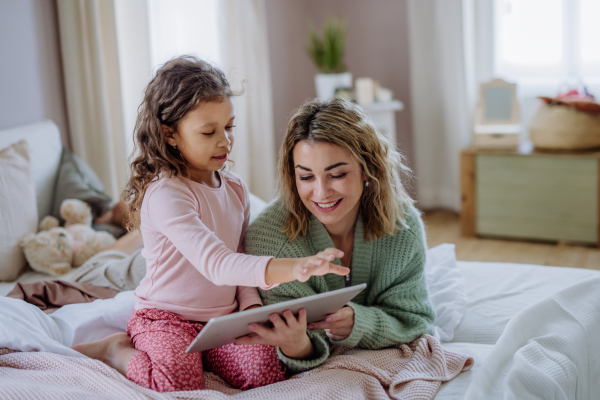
column 549, row 350
column 407, row 372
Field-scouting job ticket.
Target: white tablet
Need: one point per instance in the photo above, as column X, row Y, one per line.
column 223, row 330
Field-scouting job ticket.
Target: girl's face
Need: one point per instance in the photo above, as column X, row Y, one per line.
column 330, row 183
column 205, row 138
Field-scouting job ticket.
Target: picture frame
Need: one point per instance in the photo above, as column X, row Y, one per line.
column 497, row 120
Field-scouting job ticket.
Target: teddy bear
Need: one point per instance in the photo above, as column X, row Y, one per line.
column 55, row 250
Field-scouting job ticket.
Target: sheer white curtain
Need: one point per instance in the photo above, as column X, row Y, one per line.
column 442, row 95
column 232, row 34
column 245, row 57
column 110, row 49
column 105, row 61
column 93, row 91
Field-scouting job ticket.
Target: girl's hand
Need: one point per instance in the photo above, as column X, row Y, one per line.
column 319, row 264
column 338, row 326
column 288, row 333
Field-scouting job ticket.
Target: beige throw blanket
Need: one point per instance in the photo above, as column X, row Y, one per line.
column 413, row 371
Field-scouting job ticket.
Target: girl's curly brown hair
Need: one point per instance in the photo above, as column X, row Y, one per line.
column 383, row 202
column 177, row 88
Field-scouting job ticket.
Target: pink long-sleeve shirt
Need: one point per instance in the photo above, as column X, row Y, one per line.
column 192, row 245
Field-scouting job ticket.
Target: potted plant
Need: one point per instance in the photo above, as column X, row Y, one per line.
column 327, row 52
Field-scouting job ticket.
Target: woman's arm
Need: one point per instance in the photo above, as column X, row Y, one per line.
column 399, row 316
column 399, row 310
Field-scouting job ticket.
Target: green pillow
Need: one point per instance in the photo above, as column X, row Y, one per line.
column 77, row 180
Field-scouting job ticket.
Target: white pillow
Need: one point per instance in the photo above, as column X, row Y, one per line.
column 257, row 205
column 446, row 287
column 18, row 207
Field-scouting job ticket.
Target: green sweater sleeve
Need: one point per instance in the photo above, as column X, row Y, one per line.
column 399, row 313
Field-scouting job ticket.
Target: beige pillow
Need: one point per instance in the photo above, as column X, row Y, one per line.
column 18, row 207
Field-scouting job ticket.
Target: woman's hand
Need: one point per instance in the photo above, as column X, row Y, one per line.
column 338, row 326
column 319, row 264
column 288, row 333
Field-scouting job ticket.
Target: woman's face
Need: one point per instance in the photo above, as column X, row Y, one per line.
column 330, row 182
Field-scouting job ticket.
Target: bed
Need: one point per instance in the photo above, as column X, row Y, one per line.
column 529, row 329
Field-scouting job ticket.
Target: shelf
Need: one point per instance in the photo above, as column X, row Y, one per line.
column 394, row 105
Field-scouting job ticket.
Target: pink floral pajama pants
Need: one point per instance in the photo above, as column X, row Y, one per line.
column 162, row 364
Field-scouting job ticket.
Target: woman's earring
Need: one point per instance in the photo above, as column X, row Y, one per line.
column 367, row 183
column 175, row 146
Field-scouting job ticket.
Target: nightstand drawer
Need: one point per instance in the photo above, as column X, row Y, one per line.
column 533, row 196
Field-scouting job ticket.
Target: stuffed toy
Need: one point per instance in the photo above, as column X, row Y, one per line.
column 55, row 250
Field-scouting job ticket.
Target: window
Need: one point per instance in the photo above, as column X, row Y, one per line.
column 547, row 41
column 184, row 27
column 589, row 33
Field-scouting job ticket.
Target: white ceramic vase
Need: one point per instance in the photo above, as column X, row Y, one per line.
column 327, row 84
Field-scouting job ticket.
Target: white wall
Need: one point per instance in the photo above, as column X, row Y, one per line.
column 31, row 81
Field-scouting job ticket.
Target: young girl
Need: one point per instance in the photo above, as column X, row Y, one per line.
column 193, row 216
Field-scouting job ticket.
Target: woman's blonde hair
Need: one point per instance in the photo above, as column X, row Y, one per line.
column 180, row 85
column 344, row 124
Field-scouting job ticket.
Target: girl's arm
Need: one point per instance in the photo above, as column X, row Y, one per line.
column 173, row 212
column 301, row 269
column 247, row 296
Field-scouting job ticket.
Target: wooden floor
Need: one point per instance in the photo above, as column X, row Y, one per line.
column 444, row 227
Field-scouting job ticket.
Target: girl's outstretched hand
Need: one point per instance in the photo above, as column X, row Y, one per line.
column 291, row 269
column 288, row 333
column 319, row 264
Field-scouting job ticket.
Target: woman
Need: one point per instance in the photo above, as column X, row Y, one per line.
column 340, row 187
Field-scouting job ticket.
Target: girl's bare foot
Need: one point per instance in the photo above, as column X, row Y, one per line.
column 115, row 350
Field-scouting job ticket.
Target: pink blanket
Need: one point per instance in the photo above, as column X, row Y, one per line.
column 413, row 371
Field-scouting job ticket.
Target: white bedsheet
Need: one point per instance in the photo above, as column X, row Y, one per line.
column 25, row 327
column 498, row 291
column 549, row 350
column 457, row 387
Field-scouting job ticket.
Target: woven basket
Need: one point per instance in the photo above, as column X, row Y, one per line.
column 563, row 126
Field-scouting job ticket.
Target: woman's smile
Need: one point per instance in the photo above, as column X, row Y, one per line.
column 327, row 207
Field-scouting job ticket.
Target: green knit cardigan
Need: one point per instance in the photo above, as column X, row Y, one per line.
column 393, row 309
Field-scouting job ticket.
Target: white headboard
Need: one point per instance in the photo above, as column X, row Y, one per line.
column 45, row 149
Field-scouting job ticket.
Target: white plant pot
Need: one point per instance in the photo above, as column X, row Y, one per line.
column 326, row 84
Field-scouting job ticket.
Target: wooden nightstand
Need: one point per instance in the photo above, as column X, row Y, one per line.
column 530, row 194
